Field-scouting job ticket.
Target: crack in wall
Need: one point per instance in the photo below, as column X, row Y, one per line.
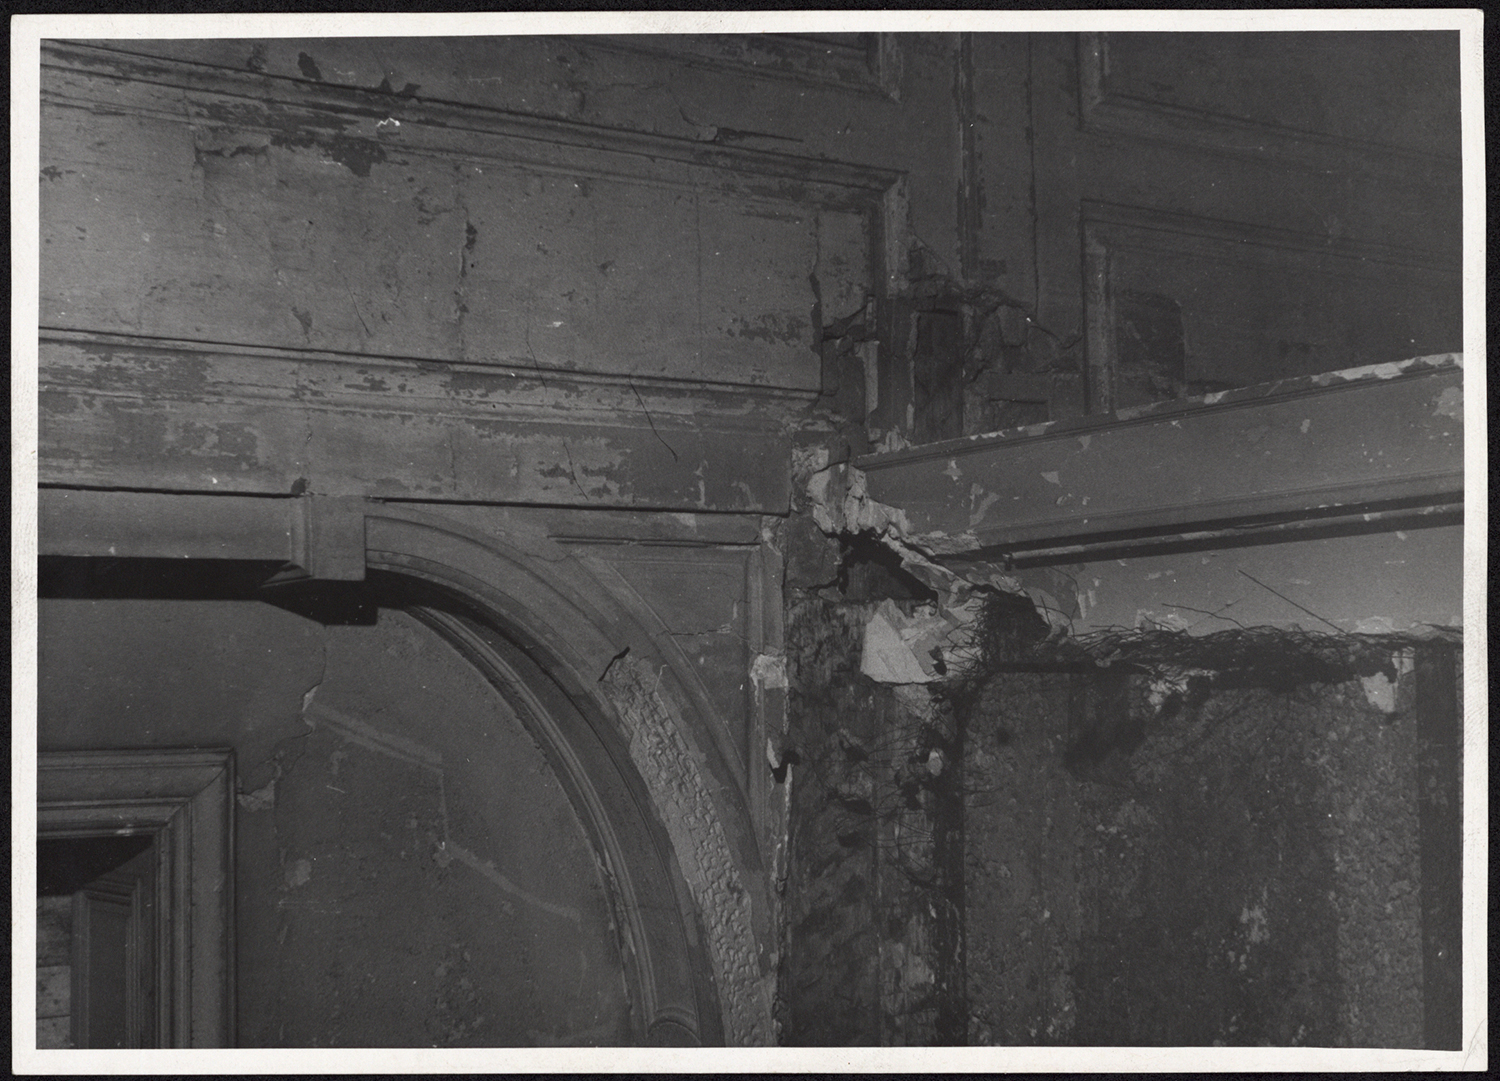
column 356, row 731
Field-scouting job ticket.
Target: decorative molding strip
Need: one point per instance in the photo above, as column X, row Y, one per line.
column 424, row 382
column 1298, row 450
column 821, row 62
column 1238, row 397
column 1105, row 110
column 1150, row 220
column 142, row 418
column 445, row 128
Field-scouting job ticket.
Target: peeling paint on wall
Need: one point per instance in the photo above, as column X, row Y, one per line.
column 768, row 671
column 1450, row 403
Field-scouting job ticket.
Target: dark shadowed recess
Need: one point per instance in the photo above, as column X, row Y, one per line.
column 106, row 578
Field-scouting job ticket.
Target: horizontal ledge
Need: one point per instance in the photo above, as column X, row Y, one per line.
column 459, row 118
column 313, row 537
column 164, row 525
column 283, row 529
column 1375, row 445
column 628, row 383
column 1431, row 516
column 1280, row 390
column 1405, row 495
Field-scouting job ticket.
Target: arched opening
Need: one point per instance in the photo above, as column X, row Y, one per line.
column 651, row 909
column 441, row 836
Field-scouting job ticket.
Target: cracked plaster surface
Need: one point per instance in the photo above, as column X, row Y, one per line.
column 679, row 788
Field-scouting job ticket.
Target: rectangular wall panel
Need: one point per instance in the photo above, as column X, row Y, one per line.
column 1254, row 303
column 1290, row 94
column 193, row 203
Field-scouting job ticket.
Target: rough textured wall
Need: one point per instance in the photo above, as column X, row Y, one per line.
column 679, row 787
column 1021, row 821
column 409, row 872
column 830, row 971
column 1253, row 874
column 1193, row 862
column 872, row 951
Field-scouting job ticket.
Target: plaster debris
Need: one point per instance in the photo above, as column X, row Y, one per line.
column 889, row 656
column 807, row 461
column 1147, row 619
column 841, row 504
column 1058, row 616
column 774, row 757
column 1380, row 692
column 768, row 671
column 1169, row 683
column 922, row 647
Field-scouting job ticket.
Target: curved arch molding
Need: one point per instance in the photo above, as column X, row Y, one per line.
column 527, row 589
column 623, row 718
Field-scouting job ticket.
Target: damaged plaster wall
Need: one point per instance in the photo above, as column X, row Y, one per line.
column 1377, row 583
column 869, row 955
column 872, row 952
column 408, row 869
column 1087, row 795
column 1373, row 584
column 1237, row 863
column 678, row 787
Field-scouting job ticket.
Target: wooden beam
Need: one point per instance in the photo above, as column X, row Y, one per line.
column 1360, row 442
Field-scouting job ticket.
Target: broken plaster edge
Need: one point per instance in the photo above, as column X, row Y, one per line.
column 899, row 649
column 841, row 505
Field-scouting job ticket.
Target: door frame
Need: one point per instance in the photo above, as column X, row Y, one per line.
column 183, row 800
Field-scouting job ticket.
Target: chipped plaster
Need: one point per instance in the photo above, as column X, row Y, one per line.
column 680, row 789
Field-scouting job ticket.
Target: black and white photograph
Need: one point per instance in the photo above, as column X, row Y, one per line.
column 832, row 541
